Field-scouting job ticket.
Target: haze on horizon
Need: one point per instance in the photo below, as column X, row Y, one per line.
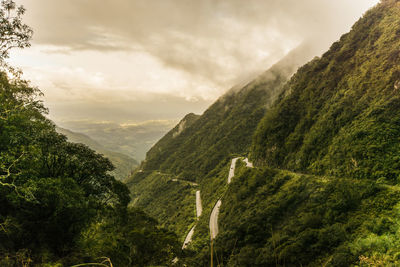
column 137, row 60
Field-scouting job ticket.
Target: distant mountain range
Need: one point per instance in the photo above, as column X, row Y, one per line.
column 124, row 164
column 133, row 140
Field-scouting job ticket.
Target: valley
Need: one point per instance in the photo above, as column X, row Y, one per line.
column 297, row 166
column 321, row 169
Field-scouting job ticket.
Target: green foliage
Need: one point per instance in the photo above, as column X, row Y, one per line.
column 198, row 149
column 52, row 194
column 13, row 33
column 289, row 219
column 123, row 163
column 326, row 190
column 131, row 240
column 198, row 144
column 170, row 201
column 338, row 115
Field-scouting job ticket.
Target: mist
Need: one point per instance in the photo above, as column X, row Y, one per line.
column 96, row 61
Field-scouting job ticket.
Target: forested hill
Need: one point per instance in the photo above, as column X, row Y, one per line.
column 324, row 191
column 200, row 145
column 225, row 128
column 339, row 114
column 124, row 164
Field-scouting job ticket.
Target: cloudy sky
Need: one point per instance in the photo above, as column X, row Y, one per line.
column 137, row 60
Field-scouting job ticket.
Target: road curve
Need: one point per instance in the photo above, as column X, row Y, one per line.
column 188, row 238
column 248, row 163
column 199, row 210
column 214, row 220
column 215, row 212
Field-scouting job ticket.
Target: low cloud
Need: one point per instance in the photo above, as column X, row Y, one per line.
column 187, row 48
column 208, row 38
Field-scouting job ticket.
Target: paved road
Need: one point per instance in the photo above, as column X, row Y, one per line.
column 248, row 163
column 199, row 210
column 232, row 170
column 215, row 211
column 188, row 238
column 214, row 220
column 199, row 207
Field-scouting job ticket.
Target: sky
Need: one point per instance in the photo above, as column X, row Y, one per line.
column 136, row 60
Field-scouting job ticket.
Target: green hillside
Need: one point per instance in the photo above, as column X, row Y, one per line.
column 339, row 113
column 226, row 127
column 280, row 218
column 199, row 146
column 124, row 164
column 325, row 143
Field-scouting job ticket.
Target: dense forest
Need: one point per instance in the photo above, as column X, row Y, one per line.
column 324, row 190
column 199, row 146
column 338, row 115
column 60, row 206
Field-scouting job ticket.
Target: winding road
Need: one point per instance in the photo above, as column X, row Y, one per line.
column 188, row 238
column 214, row 219
column 215, row 212
column 248, row 163
column 199, row 210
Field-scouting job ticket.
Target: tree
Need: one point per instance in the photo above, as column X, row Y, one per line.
column 13, row 32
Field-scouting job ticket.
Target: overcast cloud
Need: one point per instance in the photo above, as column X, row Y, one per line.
column 119, row 52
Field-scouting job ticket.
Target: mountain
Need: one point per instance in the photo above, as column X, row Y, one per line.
column 225, row 128
column 325, row 191
column 338, row 115
column 199, row 147
column 325, row 144
column 132, row 139
column 124, row 164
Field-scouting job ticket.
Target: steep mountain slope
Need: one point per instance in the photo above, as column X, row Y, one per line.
column 325, row 188
column 200, row 147
column 165, row 141
column 338, row 117
column 280, row 218
column 339, row 113
column 124, row 164
column 224, row 128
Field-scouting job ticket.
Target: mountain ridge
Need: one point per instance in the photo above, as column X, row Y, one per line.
column 324, row 190
column 124, row 164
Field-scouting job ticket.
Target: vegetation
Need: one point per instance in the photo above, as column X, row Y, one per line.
column 338, row 115
column 169, row 200
column 123, row 163
column 325, row 188
column 198, row 144
column 59, row 204
column 199, row 148
column 290, row 219
column 58, row 201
